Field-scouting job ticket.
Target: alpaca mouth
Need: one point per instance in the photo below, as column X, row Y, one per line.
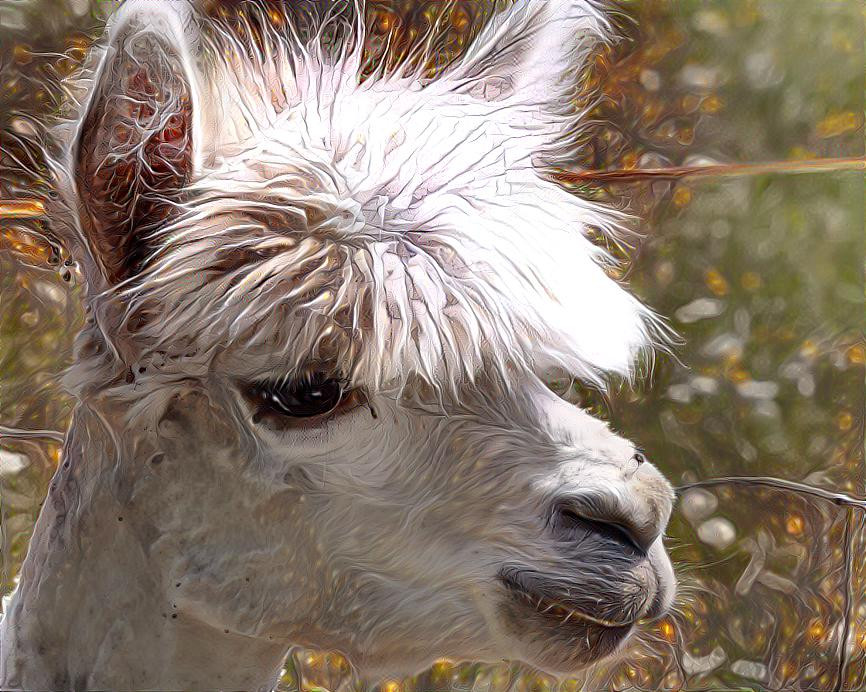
column 562, row 614
column 561, row 632
column 559, row 610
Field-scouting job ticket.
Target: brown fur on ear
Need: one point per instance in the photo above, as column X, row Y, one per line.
column 134, row 153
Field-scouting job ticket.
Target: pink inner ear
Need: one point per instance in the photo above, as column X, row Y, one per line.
column 135, row 153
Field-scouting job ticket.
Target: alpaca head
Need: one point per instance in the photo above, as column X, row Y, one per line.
column 321, row 312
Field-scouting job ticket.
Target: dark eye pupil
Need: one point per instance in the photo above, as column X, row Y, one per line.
column 312, row 397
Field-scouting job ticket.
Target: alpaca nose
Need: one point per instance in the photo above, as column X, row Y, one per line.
column 632, row 514
column 573, row 519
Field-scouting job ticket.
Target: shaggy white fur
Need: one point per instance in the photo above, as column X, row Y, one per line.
column 422, row 207
column 251, row 216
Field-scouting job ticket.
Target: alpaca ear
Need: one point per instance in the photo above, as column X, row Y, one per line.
column 528, row 49
column 134, row 152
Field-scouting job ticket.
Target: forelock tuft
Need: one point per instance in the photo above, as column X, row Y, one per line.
column 396, row 226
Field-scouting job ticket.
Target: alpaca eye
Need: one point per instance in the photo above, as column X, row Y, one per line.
column 315, row 395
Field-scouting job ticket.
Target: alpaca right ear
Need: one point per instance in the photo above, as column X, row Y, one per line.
column 527, row 50
column 134, row 152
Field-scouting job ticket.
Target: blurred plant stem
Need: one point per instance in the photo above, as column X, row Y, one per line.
column 839, row 499
column 19, row 434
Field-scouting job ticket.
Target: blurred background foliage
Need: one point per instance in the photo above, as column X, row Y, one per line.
column 760, row 275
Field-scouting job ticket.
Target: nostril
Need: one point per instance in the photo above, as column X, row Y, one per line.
column 569, row 525
column 640, row 458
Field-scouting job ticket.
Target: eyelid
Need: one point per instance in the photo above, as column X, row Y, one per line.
column 308, row 376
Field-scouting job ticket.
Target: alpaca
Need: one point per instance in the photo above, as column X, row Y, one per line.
column 311, row 401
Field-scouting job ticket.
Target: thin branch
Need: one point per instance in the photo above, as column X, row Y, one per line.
column 842, row 653
column 838, row 499
column 853, row 163
column 34, row 208
column 20, row 434
column 21, row 209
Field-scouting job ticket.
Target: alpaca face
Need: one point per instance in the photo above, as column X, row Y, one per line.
column 508, row 525
column 327, row 307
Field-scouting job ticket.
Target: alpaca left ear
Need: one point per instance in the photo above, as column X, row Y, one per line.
column 135, row 153
column 528, row 49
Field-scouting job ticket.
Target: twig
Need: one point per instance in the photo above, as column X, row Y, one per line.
column 19, row 434
column 838, row 499
column 842, row 653
column 854, row 163
column 21, row 209
column 34, row 208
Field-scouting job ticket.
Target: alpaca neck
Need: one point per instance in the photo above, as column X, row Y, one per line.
column 98, row 604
